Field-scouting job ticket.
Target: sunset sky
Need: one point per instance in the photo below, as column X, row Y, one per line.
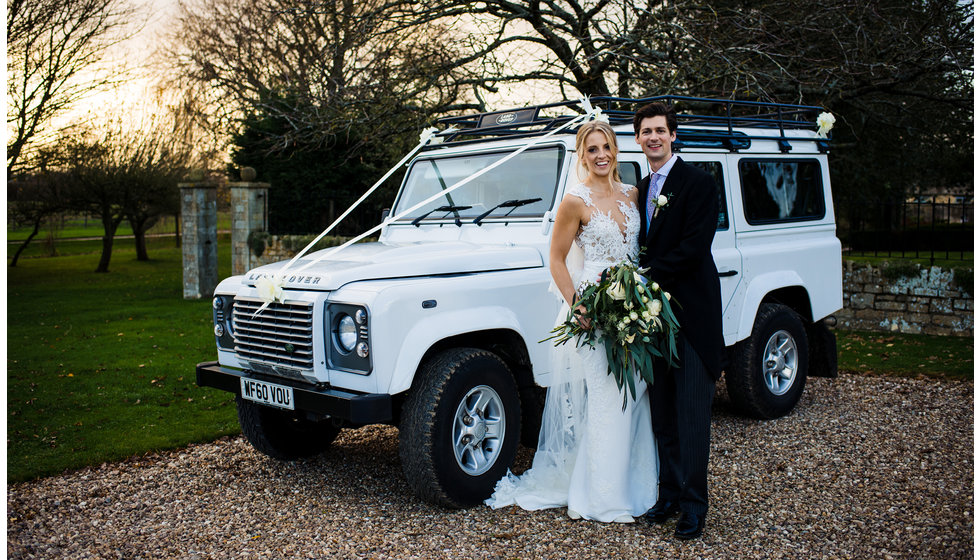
column 138, row 52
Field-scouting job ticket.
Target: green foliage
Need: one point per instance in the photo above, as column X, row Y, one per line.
column 312, row 184
column 894, row 270
column 257, row 241
column 101, row 367
column 963, row 277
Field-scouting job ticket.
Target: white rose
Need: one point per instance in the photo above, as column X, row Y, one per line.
column 654, row 307
column 654, row 287
column 661, row 201
column 616, row 291
column 825, row 122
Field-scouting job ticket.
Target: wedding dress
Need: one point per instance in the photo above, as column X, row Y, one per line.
column 593, row 457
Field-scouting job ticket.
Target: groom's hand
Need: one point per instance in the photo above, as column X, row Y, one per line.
column 580, row 317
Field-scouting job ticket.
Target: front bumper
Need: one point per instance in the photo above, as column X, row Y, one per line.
column 358, row 408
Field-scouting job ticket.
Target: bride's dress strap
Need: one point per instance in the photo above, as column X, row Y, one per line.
column 582, row 191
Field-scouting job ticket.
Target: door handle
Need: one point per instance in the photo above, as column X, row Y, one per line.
column 727, row 273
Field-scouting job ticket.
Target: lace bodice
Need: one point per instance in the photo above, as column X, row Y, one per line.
column 603, row 240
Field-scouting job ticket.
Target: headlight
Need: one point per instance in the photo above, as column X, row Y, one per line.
column 346, row 333
column 222, row 321
column 350, row 339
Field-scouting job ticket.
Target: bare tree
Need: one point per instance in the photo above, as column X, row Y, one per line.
column 581, row 47
column 34, row 197
column 124, row 170
column 52, row 47
column 772, row 49
column 330, row 69
column 161, row 152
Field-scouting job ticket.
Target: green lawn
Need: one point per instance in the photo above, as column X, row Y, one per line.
column 101, row 366
column 58, row 227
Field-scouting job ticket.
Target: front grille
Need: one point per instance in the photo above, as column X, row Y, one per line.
column 280, row 337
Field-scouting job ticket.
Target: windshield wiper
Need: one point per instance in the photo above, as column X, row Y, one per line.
column 512, row 204
column 446, row 209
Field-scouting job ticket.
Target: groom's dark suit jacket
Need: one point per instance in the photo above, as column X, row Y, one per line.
column 678, row 254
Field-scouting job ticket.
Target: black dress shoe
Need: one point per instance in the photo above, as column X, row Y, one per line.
column 689, row 526
column 662, row 511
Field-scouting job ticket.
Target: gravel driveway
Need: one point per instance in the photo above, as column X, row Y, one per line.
column 864, row 468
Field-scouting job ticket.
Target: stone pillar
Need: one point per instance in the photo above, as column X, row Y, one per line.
column 199, row 221
column 249, row 213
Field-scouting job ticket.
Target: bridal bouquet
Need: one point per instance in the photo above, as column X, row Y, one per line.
column 633, row 320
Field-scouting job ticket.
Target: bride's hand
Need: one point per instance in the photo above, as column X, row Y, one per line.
column 580, row 317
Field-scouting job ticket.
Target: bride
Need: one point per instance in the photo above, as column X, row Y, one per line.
column 593, row 457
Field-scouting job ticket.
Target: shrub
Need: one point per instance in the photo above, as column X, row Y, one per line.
column 893, row 271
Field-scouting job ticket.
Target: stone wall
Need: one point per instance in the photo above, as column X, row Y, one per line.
column 920, row 300
column 267, row 248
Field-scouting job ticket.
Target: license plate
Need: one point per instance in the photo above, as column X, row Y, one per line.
column 268, row 394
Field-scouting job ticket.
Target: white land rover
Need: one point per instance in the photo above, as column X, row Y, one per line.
column 435, row 328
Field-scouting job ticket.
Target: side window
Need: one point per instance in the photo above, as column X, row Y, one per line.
column 714, row 167
column 629, row 172
column 781, row 190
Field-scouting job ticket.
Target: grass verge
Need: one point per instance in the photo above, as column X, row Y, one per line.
column 905, row 355
column 101, row 366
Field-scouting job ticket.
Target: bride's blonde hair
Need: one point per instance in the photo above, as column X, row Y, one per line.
column 583, row 132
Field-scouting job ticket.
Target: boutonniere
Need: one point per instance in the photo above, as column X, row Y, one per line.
column 661, row 202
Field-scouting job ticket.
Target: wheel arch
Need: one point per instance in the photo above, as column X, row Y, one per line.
column 784, row 287
column 460, row 330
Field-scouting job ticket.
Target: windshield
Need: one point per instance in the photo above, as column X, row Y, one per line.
column 531, row 174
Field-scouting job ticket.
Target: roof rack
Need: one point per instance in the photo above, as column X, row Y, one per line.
column 723, row 115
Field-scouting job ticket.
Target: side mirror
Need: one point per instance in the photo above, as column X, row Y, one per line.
column 384, row 214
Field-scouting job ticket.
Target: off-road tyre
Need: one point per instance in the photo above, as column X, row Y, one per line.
column 280, row 434
column 433, row 429
column 768, row 370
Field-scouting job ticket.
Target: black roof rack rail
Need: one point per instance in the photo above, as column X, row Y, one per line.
column 692, row 112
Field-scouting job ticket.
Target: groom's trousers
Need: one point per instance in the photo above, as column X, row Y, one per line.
column 680, row 400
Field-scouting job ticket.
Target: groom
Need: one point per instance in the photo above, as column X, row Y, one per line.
column 677, row 237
